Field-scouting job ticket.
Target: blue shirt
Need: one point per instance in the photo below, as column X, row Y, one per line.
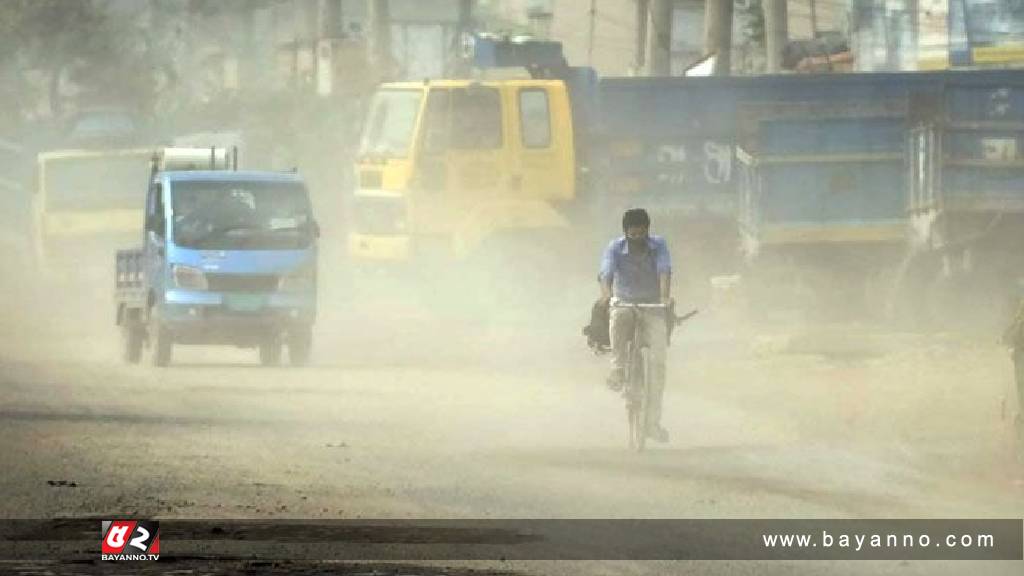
column 635, row 277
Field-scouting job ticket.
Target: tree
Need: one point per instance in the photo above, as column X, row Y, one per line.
column 88, row 53
column 56, row 37
column 751, row 39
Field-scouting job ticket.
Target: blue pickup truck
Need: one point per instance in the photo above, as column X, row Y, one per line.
column 228, row 257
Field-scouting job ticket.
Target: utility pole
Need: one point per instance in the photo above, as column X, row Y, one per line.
column 330, row 13
column 718, row 34
column 590, row 32
column 813, row 7
column 312, row 16
column 327, row 29
column 540, row 16
column 379, row 35
column 458, row 63
column 242, row 72
column 776, row 32
column 465, row 16
column 914, row 9
column 640, row 51
column 660, row 40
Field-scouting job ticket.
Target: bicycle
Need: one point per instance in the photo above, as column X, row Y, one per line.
column 637, row 375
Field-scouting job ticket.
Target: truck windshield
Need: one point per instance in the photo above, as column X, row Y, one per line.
column 241, row 215
column 462, row 119
column 390, row 125
column 94, row 182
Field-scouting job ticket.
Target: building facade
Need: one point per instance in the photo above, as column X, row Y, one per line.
column 607, row 37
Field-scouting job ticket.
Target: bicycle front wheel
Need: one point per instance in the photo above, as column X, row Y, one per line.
column 643, row 396
column 629, row 394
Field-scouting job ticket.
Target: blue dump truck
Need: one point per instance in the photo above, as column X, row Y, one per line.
column 965, row 199
column 821, row 190
column 838, row 193
column 228, row 257
column 795, row 183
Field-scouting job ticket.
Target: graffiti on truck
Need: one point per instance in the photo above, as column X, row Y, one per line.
column 675, row 167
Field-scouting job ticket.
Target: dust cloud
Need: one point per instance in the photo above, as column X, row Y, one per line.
column 773, row 374
column 464, row 387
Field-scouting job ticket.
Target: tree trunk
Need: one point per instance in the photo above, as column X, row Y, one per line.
column 718, row 34
column 660, row 40
column 776, row 32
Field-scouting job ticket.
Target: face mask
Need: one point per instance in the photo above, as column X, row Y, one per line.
column 636, row 243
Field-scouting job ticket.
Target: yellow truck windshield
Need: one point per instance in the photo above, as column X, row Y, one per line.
column 391, row 124
column 95, row 183
column 463, row 119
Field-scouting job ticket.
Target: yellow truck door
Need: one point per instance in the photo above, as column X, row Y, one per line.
column 542, row 142
column 462, row 162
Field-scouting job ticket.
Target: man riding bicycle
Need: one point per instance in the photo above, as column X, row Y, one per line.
column 636, row 269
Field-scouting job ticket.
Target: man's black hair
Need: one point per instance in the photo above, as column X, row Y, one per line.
column 635, row 217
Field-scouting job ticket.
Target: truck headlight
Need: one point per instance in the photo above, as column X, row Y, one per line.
column 188, row 277
column 300, row 280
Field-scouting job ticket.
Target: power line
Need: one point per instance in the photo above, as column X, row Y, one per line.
column 590, row 33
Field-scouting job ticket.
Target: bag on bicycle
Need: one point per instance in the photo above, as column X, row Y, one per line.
column 598, row 332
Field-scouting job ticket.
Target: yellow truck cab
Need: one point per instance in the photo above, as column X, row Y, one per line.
column 443, row 165
column 87, row 202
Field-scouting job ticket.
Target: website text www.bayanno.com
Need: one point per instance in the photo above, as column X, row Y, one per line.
column 858, row 542
column 548, row 539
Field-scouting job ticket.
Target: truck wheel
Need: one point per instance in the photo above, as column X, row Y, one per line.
column 907, row 302
column 300, row 344
column 133, row 339
column 162, row 347
column 270, row 351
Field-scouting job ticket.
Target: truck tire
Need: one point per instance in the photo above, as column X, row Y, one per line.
column 300, row 345
column 270, row 351
column 162, row 348
column 133, row 336
column 908, row 305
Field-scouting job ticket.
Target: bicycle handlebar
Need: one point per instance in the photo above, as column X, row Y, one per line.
column 676, row 320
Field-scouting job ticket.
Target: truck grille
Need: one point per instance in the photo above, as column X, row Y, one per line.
column 241, row 282
column 384, row 216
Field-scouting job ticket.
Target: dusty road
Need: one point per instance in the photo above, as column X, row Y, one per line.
column 409, row 413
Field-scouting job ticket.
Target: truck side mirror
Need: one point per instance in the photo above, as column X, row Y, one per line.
column 156, row 225
column 156, row 241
